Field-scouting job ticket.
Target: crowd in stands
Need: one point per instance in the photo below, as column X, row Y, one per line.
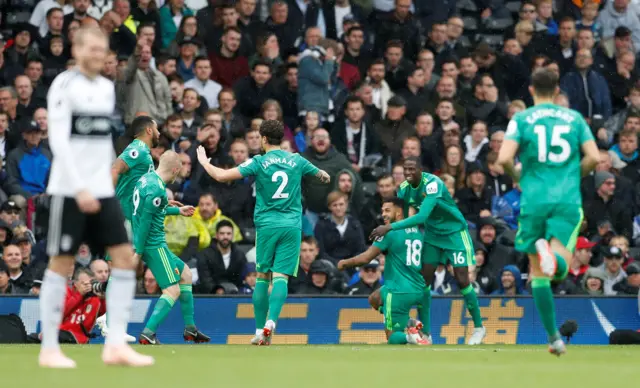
column 360, row 85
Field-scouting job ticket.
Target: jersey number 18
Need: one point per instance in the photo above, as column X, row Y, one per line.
column 556, row 141
column 414, row 249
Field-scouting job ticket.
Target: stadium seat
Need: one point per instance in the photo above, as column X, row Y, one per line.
column 513, row 7
column 634, row 252
column 369, row 188
column 498, row 25
column 467, row 5
column 470, row 23
column 244, row 248
column 249, row 235
column 494, row 41
column 465, row 41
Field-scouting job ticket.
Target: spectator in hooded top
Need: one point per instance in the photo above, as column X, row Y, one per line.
column 475, row 199
column 349, row 183
column 511, row 283
column 318, row 279
column 592, row 282
column 210, row 214
column 604, row 207
column 612, row 268
column 339, row 235
column 497, row 254
column 630, row 285
column 30, row 162
column 626, row 150
column 222, row 261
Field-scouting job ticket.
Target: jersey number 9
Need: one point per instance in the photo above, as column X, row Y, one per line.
column 136, row 201
column 414, row 249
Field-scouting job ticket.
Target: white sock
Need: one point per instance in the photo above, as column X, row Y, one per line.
column 258, row 331
column 52, row 295
column 122, row 288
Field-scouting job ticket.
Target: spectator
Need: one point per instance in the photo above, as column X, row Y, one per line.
column 510, row 282
column 623, row 192
column 288, row 98
column 485, row 105
column 630, row 285
column 30, row 162
column 581, row 259
column 146, row 12
column 228, row 66
column 171, row 15
column 499, row 182
column 185, row 63
column 623, row 244
column 254, row 90
column 353, row 137
column 100, row 270
column 364, row 90
column 454, row 166
column 369, row 279
column 414, row 92
column 355, row 52
column 147, row 89
column 497, row 255
column 587, row 22
column 339, row 235
column 381, row 91
column 394, row 129
column 167, row 65
column 210, row 215
column 318, row 281
column 23, row 47
column 249, row 276
column 271, row 110
column 277, row 22
column 564, row 48
column 222, row 261
column 27, row 104
column 592, row 282
column 615, row 123
column 603, row 207
column 324, row 156
column 618, row 13
column 476, row 143
column 627, row 148
column 253, row 140
column 371, row 215
column 349, row 184
column 315, row 67
column 447, row 90
column 509, row 73
column 205, row 87
column 396, row 65
column 6, row 288
column 622, row 80
column 308, row 253
column 188, row 28
column 399, row 24
column 304, row 16
column 10, row 213
column 19, row 279
column 612, row 267
column 475, row 199
column 426, row 61
column 587, row 90
column 149, row 284
column 191, row 120
column 233, row 125
column 55, row 62
column 267, row 51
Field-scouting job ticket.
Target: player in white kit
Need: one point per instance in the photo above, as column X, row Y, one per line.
column 83, row 204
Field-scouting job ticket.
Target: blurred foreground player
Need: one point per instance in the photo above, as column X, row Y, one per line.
column 549, row 140
column 83, row 203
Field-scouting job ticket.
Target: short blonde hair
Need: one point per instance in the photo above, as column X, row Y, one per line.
column 335, row 196
column 518, row 104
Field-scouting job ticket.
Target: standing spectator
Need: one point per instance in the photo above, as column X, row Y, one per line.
column 146, row 89
column 604, row 207
column 40, row 15
column 54, row 27
column 191, row 120
column 545, row 16
column 396, row 65
column 414, row 93
column 80, row 8
column 476, row 143
column 222, row 261
column 315, row 67
column 171, row 15
column 254, row 90
column 248, row 20
column 146, row 12
column 30, row 162
column 399, row 24
column 394, row 129
column 353, row 137
column 474, row 201
column 587, row 90
column 437, row 43
column 27, row 105
column 381, row 90
column 233, row 125
column 339, row 235
column 205, row 87
column 324, row 156
column 618, row 13
column 336, row 13
column 612, row 268
column 210, row 214
column 228, row 66
column 369, row 279
column 355, row 52
column 581, row 259
column 277, row 23
column 305, row 14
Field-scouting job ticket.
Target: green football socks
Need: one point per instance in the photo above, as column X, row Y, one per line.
column 186, row 306
column 160, row 312
column 260, row 299
column 424, row 311
column 397, row 338
column 471, row 300
column 561, row 269
column 277, row 298
column 543, row 297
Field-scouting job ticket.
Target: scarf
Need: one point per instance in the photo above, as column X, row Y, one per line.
column 363, row 138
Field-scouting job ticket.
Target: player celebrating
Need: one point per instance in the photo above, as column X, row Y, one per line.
column 83, row 206
column 446, row 238
column 278, row 220
column 549, row 139
column 403, row 283
column 150, row 205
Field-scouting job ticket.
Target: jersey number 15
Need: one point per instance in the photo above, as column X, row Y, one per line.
column 556, row 141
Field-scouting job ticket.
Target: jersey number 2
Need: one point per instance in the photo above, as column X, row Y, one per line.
column 280, row 175
column 414, row 248
column 556, row 141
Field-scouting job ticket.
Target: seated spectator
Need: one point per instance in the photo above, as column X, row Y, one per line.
column 476, row 198
column 511, row 283
column 222, row 261
column 588, row 14
column 586, row 89
column 484, row 277
column 100, row 270
column 397, row 173
column 228, row 66
column 581, row 259
column 253, row 139
column 249, row 276
column 201, row 83
column 485, row 105
column 350, row 184
column 318, row 281
column 396, row 66
column 30, row 162
column 339, row 235
column 623, row 244
column 497, row 255
column 20, row 280
column 476, row 143
column 353, row 136
column 618, row 121
column 191, row 120
column 170, row 16
column 453, row 165
column 267, row 51
column 626, row 150
column 233, row 124
column 630, row 285
column 370, row 277
column 604, row 207
column 612, row 267
column 593, row 282
column 210, row 214
column 27, row 103
column 394, row 129
column 303, row 133
column 499, row 182
column 149, row 284
column 616, row 14
column 309, row 252
column 188, row 28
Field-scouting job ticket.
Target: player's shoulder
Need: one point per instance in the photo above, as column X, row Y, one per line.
column 433, row 183
column 251, row 161
column 403, row 185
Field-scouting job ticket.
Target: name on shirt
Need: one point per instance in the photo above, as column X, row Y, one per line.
column 543, row 113
column 270, row 161
column 411, row 230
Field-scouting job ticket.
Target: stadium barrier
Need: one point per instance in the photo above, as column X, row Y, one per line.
column 349, row 320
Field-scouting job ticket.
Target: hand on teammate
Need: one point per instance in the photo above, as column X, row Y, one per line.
column 175, row 203
column 187, row 211
column 380, row 231
column 87, row 203
column 202, row 156
column 324, row 177
column 341, row 265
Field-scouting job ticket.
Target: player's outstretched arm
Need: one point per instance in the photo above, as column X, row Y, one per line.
column 591, row 157
column 506, row 157
column 362, row 259
column 118, row 167
column 323, row 176
column 217, row 173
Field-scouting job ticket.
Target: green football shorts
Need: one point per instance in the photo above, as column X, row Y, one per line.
column 455, row 248
column 561, row 221
column 164, row 265
column 397, row 307
column 278, row 250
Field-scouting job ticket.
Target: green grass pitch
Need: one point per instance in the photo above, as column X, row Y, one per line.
column 351, row 366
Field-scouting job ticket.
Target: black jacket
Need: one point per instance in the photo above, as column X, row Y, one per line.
column 471, row 205
column 250, row 97
column 511, row 77
column 492, row 113
column 371, row 215
column 497, row 257
column 336, row 247
column 624, row 288
column 388, row 27
column 339, row 139
column 499, row 185
column 298, row 21
column 624, row 192
column 211, row 270
column 616, row 212
column 392, row 134
column 330, row 17
column 236, row 200
column 416, row 103
column 315, row 192
column 362, row 288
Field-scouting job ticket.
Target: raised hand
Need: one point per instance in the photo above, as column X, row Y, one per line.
column 202, row 156
column 187, row 211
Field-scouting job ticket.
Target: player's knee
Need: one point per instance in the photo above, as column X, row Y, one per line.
column 122, row 256
column 172, row 291
column 374, row 300
column 462, row 277
column 186, row 277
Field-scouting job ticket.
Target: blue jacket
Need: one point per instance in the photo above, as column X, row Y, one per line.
column 598, row 91
column 507, row 208
column 616, row 149
column 30, row 167
column 519, row 283
column 313, row 83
